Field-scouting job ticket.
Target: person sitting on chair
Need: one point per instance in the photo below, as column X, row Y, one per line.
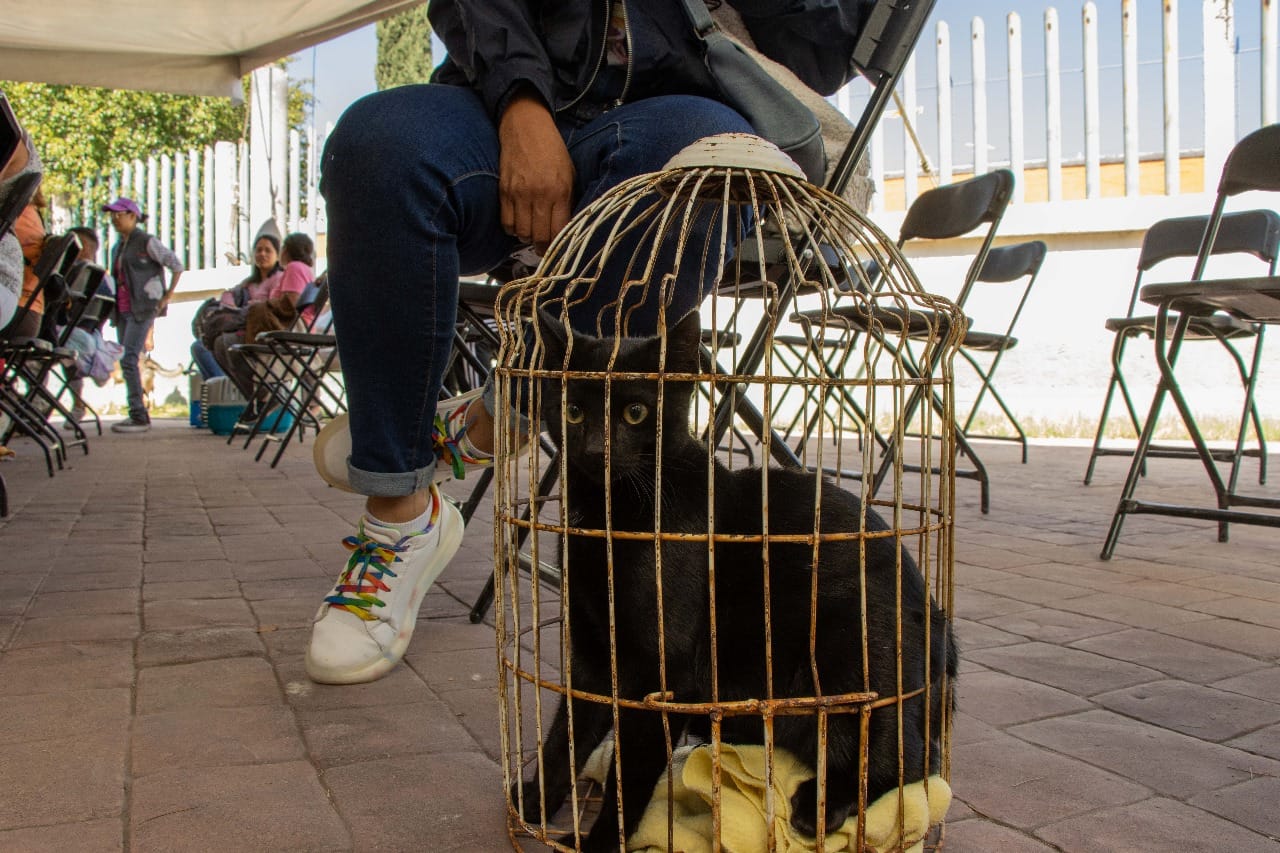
column 536, row 112
column 272, row 305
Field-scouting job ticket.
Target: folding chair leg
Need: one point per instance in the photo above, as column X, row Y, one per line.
column 1249, row 415
column 1166, row 359
column 1117, row 382
column 22, row 417
column 485, row 600
column 1004, row 408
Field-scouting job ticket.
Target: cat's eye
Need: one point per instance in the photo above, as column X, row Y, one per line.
column 634, row 413
column 573, row 413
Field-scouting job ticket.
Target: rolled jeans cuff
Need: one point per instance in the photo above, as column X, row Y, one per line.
column 381, row 485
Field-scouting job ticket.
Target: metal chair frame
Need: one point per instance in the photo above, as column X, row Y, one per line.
column 944, row 212
column 1252, row 165
column 1254, row 232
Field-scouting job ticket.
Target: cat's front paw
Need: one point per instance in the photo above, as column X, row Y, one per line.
column 804, row 810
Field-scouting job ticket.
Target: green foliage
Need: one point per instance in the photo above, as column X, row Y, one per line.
column 404, row 49
column 82, row 132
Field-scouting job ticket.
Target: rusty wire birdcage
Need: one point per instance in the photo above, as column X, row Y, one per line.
column 743, row 638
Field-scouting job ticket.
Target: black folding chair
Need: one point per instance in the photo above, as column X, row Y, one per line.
column 1253, row 165
column 89, row 309
column 294, row 372
column 27, row 361
column 942, row 213
column 1005, row 265
column 1254, row 232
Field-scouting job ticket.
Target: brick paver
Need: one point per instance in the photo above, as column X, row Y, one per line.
column 151, row 663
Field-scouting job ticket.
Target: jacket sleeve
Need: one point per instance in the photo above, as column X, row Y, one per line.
column 814, row 38
column 163, row 255
column 496, row 45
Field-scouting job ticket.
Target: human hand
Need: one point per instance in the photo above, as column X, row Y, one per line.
column 535, row 174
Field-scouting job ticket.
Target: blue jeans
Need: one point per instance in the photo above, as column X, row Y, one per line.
column 132, row 334
column 205, row 362
column 410, row 178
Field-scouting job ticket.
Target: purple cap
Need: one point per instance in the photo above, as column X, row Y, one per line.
column 123, row 203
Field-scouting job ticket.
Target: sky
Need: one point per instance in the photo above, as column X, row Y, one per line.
column 342, row 69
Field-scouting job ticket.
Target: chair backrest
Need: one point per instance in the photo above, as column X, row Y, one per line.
column 1010, row 263
column 956, row 209
column 307, row 297
column 953, row 210
column 1253, row 164
column 1251, row 232
column 87, row 307
column 59, row 256
column 319, row 299
column 1017, row 262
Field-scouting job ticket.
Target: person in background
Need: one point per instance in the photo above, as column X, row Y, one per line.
column 224, row 316
column 270, row 306
column 138, row 262
column 88, row 253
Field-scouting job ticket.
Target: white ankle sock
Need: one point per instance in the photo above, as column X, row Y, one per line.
column 421, row 524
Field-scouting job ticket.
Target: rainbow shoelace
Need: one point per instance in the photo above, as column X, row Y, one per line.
column 447, row 439
column 369, row 571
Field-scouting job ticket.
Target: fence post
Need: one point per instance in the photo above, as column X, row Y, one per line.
column 978, row 57
column 166, row 201
column 1269, row 76
column 1172, row 154
column 313, row 176
column 1092, row 133
column 209, row 221
column 195, row 227
column 180, row 195
column 224, row 204
column 1052, row 105
column 875, row 154
column 295, row 181
column 1129, row 42
column 1017, row 143
column 245, row 229
column 1219, row 87
column 943, row 62
column 910, row 159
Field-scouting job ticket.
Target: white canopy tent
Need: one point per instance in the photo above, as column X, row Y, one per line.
column 197, row 47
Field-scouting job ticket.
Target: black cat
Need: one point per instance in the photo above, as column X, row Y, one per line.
column 739, row 655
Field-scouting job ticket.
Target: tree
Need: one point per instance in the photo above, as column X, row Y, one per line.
column 404, row 49
column 82, row 132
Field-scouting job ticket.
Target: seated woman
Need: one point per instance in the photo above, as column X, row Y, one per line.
column 271, row 306
column 226, row 314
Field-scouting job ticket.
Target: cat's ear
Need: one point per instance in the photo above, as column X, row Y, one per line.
column 684, row 344
column 555, row 339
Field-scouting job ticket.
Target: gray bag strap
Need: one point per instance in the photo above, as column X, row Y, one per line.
column 700, row 17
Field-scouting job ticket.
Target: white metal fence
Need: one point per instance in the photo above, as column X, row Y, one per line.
column 1069, row 129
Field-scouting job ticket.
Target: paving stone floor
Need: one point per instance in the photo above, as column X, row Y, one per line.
column 155, row 597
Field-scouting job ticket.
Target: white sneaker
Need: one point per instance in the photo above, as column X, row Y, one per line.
column 455, row 455
column 363, row 627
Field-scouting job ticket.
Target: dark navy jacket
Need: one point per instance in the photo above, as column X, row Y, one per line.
column 557, row 45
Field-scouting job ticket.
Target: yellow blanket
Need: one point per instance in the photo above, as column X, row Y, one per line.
column 743, row 812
